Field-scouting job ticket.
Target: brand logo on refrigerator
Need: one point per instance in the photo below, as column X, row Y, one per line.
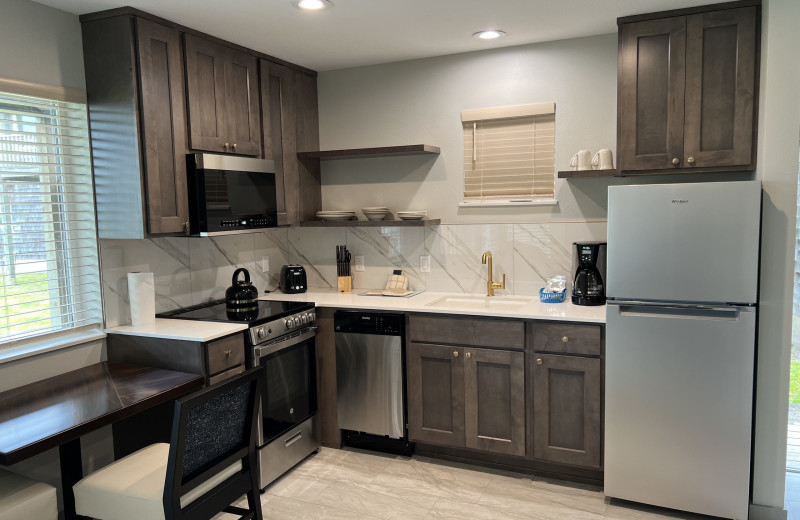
column 680, row 201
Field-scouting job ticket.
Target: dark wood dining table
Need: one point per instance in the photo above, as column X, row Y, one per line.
column 58, row 410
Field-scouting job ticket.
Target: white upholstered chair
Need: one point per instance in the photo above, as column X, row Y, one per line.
column 209, row 463
column 21, row 497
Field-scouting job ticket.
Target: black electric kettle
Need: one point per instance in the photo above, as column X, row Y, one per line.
column 241, row 296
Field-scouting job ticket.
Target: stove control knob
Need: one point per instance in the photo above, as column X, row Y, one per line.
column 304, row 319
column 289, row 322
column 313, row 315
column 262, row 333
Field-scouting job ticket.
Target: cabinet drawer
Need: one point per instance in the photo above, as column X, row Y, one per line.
column 225, row 353
column 452, row 330
column 569, row 338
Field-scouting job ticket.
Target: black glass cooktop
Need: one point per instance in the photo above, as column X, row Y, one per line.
column 217, row 311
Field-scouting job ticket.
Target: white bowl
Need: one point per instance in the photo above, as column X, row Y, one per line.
column 376, row 208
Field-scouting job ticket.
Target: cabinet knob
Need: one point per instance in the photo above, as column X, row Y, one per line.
column 226, row 145
column 469, row 355
column 455, row 353
column 565, row 339
column 186, row 227
column 227, row 353
column 539, row 361
column 676, row 161
column 234, row 146
column 690, row 160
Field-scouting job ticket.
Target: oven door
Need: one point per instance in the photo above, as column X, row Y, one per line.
column 289, row 392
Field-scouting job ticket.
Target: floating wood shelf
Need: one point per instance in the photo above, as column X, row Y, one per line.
column 383, row 151
column 372, row 223
column 585, row 174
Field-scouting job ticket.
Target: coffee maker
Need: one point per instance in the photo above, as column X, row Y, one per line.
column 589, row 281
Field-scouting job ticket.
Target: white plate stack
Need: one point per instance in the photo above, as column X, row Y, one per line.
column 336, row 215
column 412, row 215
column 375, row 212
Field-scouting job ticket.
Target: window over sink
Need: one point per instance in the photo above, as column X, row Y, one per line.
column 509, row 155
column 48, row 240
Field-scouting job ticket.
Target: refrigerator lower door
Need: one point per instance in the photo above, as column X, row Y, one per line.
column 679, row 394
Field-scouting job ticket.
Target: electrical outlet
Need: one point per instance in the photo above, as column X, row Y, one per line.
column 264, row 264
column 425, row 263
column 359, row 263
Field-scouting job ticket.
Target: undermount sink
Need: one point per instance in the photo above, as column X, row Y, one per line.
column 498, row 303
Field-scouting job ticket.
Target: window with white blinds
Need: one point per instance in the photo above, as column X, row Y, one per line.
column 509, row 154
column 48, row 244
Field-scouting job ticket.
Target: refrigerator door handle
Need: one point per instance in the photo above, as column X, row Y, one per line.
column 699, row 312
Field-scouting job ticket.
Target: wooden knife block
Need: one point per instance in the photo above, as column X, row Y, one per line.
column 344, row 284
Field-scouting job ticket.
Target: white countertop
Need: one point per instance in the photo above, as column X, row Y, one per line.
column 186, row 330
column 420, row 303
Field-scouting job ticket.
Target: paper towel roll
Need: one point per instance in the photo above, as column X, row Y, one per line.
column 142, row 294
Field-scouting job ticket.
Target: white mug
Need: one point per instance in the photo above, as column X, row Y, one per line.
column 581, row 160
column 602, row 160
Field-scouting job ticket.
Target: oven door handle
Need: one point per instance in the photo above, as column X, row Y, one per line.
column 266, row 350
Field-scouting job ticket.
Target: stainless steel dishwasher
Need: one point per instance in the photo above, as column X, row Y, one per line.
column 370, row 380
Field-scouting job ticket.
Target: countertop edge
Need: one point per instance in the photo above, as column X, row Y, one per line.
column 165, row 328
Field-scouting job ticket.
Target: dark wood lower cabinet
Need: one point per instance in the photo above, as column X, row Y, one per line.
column 494, row 388
column 435, row 375
column 567, row 425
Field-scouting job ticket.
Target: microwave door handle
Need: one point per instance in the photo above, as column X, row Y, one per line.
column 271, row 348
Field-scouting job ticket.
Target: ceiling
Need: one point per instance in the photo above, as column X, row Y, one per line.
column 365, row 32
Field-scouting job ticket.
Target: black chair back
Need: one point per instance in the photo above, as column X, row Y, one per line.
column 212, row 430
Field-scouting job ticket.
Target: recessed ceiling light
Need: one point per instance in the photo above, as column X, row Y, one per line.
column 313, row 5
column 489, row 35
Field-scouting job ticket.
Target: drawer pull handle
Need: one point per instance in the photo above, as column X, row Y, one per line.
column 227, row 353
column 539, row 361
column 469, row 355
column 565, row 339
column 294, row 438
column 455, row 353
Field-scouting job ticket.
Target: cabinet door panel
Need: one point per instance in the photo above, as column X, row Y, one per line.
column 243, row 122
column 280, row 135
column 205, row 87
column 566, row 410
column 435, row 394
column 495, row 400
column 720, row 87
column 163, row 126
column 651, row 93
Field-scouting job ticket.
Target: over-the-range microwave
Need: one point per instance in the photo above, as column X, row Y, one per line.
column 230, row 194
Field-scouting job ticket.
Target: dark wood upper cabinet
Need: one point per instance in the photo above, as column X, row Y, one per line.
column 135, row 90
column 163, row 127
column 222, row 87
column 687, row 90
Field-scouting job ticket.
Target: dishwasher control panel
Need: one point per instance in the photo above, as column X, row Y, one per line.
column 385, row 324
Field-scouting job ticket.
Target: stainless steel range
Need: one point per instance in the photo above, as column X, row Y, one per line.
column 281, row 340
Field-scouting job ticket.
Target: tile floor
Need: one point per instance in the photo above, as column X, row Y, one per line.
column 358, row 485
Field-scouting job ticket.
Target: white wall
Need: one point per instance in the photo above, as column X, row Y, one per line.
column 779, row 131
column 40, row 44
column 420, row 101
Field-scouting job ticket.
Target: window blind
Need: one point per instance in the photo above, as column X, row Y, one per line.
column 509, row 153
column 48, row 239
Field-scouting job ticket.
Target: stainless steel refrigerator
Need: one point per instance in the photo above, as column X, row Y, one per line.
column 682, row 286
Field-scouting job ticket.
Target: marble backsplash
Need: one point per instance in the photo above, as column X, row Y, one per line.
column 193, row 270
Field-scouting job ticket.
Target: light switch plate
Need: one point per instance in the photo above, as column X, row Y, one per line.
column 359, row 263
column 425, row 263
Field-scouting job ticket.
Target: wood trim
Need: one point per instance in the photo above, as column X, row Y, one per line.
column 687, row 11
column 188, row 30
column 483, row 114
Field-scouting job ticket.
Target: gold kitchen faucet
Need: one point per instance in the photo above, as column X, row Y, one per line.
column 490, row 285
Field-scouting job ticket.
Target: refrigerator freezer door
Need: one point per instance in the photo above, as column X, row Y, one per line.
column 684, row 242
column 679, row 393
